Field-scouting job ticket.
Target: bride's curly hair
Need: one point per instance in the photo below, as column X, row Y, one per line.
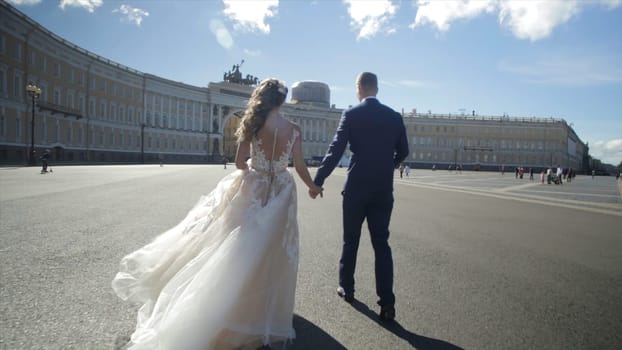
column 269, row 94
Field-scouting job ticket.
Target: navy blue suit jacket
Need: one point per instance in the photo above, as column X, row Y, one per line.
column 378, row 143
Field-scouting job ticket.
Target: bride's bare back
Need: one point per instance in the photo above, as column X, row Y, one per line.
column 267, row 133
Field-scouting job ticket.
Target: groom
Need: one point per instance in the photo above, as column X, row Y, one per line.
column 378, row 143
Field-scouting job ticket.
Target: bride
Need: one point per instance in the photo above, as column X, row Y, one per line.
column 225, row 276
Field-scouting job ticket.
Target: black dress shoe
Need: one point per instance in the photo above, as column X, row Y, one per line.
column 349, row 298
column 387, row 313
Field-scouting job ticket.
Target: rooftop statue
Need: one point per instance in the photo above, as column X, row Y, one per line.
column 235, row 76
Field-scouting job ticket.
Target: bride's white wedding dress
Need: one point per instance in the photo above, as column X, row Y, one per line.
column 225, row 276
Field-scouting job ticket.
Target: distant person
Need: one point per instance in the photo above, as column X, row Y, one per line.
column 45, row 158
column 224, row 162
column 368, row 191
column 401, row 169
column 516, row 173
column 559, row 173
column 569, row 175
column 531, row 174
column 407, row 170
column 542, row 176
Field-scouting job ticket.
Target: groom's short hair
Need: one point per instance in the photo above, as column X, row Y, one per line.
column 368, row 81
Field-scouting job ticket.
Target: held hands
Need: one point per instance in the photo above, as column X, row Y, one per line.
column 315, row 190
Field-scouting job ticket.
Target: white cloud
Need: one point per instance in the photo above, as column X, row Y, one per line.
column 221, row 33
column 611, row 4
column 24, row 2
column 132, row 14
column 411, row 83
column 251, row 14
column 442, row 13
column 532, row 20
column 535, row 20
column 253, row 53
column 89, row 5
column 402, row 83
column 567, row 70
column 607, row 151
column 371, row 16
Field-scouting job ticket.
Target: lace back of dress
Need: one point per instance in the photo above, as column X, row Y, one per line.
column 271, row 169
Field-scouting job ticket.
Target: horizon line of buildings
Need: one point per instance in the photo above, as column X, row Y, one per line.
column 94, row 110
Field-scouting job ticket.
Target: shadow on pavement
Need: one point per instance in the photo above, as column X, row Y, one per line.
column 418, row 342
column 310, row 336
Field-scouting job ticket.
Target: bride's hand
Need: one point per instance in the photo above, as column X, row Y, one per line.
column 315, row 190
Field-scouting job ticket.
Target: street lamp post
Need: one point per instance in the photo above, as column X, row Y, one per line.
column 34, row 92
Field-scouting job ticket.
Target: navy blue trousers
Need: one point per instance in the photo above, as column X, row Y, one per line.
column 376, row 207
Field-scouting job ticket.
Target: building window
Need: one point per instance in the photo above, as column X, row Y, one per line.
column 18, row 129
column 57, row 96
column 2, row 124
column 57, row 70
column 81, row 104
column 17, row 86
column 44, row 130
column 18, row 51
column 3, row 81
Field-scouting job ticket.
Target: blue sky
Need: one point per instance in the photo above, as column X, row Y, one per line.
column 524, row 58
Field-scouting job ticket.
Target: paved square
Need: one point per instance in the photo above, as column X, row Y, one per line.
column 482, row 261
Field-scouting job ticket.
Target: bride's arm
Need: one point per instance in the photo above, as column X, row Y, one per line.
column 299, row 163
column 244, row 152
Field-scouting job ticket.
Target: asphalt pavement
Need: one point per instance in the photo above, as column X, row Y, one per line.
column 482, row 260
